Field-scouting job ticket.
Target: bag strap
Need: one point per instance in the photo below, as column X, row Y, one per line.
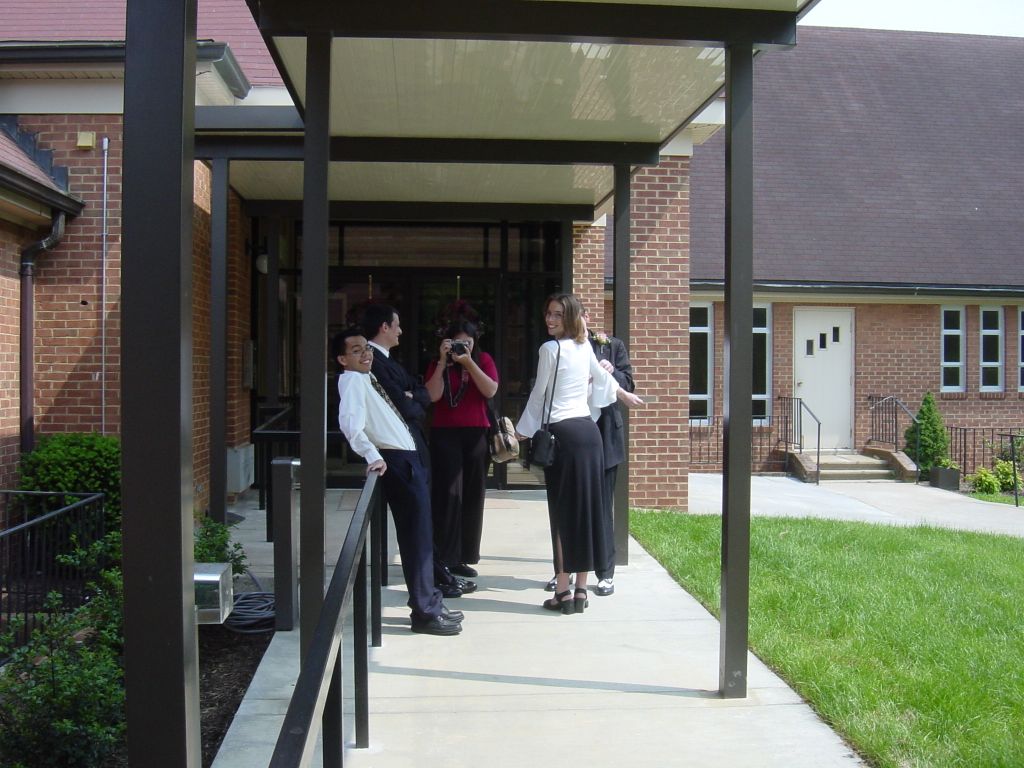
column 550, row 405
column 492, row 413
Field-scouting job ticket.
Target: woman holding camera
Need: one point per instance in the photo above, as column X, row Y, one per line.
column 569, row 380
column 460, row 383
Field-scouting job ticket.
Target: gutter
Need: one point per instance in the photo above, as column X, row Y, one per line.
column 112, row 52
column 26, row 402
column 893, row 289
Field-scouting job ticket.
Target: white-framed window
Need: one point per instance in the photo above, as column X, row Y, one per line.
column 702, row 350
column 1020, row 349
column 953, row 357
column 991, row 350
column 762, row 373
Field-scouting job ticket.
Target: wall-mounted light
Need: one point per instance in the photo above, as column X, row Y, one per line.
column 262, row 262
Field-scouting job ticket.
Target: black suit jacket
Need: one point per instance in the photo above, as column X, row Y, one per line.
column 613, row 435
column 396, row 382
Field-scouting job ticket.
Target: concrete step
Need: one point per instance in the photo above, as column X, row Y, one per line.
column 852, row 461
column 856, row 474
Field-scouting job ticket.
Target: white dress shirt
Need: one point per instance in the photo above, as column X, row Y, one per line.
column 368, row 422
column 579, row 375
column 379, row 349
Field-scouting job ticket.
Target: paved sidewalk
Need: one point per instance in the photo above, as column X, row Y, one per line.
column 872, row 501
column 632, row 682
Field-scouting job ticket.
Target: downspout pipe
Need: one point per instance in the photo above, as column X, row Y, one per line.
column 27, row 328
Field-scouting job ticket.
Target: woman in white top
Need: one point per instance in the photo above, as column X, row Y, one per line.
column 574, row 480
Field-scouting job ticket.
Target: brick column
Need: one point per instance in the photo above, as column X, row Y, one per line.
column 588, row 271
column 660, row 325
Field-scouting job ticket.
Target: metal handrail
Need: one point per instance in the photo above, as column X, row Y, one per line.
column 886, row 403
column 317, row 695
column 797, row 406
column 1013, row 460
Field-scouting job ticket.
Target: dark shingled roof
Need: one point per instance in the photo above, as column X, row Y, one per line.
column 225, row 21
column 880, row 157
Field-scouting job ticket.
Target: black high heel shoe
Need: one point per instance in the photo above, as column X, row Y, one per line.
column 561, row 602
column 579, row 603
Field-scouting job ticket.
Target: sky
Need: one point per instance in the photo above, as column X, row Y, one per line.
column 976, row 17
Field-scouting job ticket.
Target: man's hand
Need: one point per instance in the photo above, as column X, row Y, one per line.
column 607, row 365
column 408, row 394
column 378, row 466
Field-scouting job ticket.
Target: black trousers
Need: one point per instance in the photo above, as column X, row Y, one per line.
column 405, row 490
column 458, row 459
column 604, row 528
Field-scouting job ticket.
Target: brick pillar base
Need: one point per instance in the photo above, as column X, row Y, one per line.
column 659, row 342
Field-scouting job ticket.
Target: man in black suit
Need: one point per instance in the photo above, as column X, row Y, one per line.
column 382, row 327
column 612, row 355
column 377, row 432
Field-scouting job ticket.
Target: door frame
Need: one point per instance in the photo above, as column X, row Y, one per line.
column 796, row 352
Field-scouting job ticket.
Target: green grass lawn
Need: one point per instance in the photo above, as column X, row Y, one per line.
column 908, row 641
column 998, row 498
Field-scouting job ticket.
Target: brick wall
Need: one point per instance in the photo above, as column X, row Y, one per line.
column 659, row 300
column 588, row 272
column 897, row 353
column 239, row 329
column 73, row 392
column 12, row 239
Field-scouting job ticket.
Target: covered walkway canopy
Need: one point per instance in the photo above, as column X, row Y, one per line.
column 409, row 110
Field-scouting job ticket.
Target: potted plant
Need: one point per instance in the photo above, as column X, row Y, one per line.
column 945, row 474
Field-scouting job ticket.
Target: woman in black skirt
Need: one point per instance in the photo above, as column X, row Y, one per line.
column 570, row 380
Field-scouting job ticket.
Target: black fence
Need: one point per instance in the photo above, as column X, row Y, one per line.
column 43, row 528
column 974, row 448
column 768, row 452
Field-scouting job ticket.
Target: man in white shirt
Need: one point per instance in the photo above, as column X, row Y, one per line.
column 377, row 432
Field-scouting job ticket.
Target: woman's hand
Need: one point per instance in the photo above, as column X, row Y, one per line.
column 629, row 399
column 442, row 355
column 520, row 437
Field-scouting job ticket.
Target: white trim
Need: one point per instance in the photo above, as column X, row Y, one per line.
column 767, row 396
column 961, row 333
column 983, row 333
column 1020, row 348
column 708, row 330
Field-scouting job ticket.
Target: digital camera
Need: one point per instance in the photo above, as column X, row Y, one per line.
column 459, row 348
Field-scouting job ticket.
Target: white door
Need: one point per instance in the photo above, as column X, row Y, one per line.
column 823, row 374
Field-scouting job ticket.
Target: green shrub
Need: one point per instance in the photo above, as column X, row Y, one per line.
column 1003, row 472
column 983, row 481
column 62, row 694
column 934, row 439
column 78, row 462
column 213, row 545
column 1005, row 453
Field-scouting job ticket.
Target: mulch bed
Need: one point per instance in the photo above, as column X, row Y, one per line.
column 227, row 663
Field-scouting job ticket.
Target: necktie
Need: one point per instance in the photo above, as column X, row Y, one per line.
column 383, row 393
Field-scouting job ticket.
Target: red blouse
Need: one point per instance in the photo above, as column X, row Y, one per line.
column 471, row 409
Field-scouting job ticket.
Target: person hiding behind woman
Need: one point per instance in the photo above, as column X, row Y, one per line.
column 460, row 382
column 566, row 367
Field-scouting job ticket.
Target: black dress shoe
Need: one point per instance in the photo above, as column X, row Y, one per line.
column 466, row 585
column 465, row 570
column 451, row 615
column 450, row 590
column 438, row 625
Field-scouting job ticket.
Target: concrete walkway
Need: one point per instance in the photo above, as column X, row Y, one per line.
column 632, row 682
column 871, row 501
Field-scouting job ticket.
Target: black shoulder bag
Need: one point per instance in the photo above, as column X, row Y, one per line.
column 544, row 445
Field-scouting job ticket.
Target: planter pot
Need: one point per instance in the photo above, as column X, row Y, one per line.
column 945, row 478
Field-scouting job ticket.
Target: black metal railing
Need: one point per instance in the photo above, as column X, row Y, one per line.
column 885, row 424
column 973, row 448
column 317, row 700
column 791, row 412
column 706, row 438
column 1015, row 442
column 33, row 550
